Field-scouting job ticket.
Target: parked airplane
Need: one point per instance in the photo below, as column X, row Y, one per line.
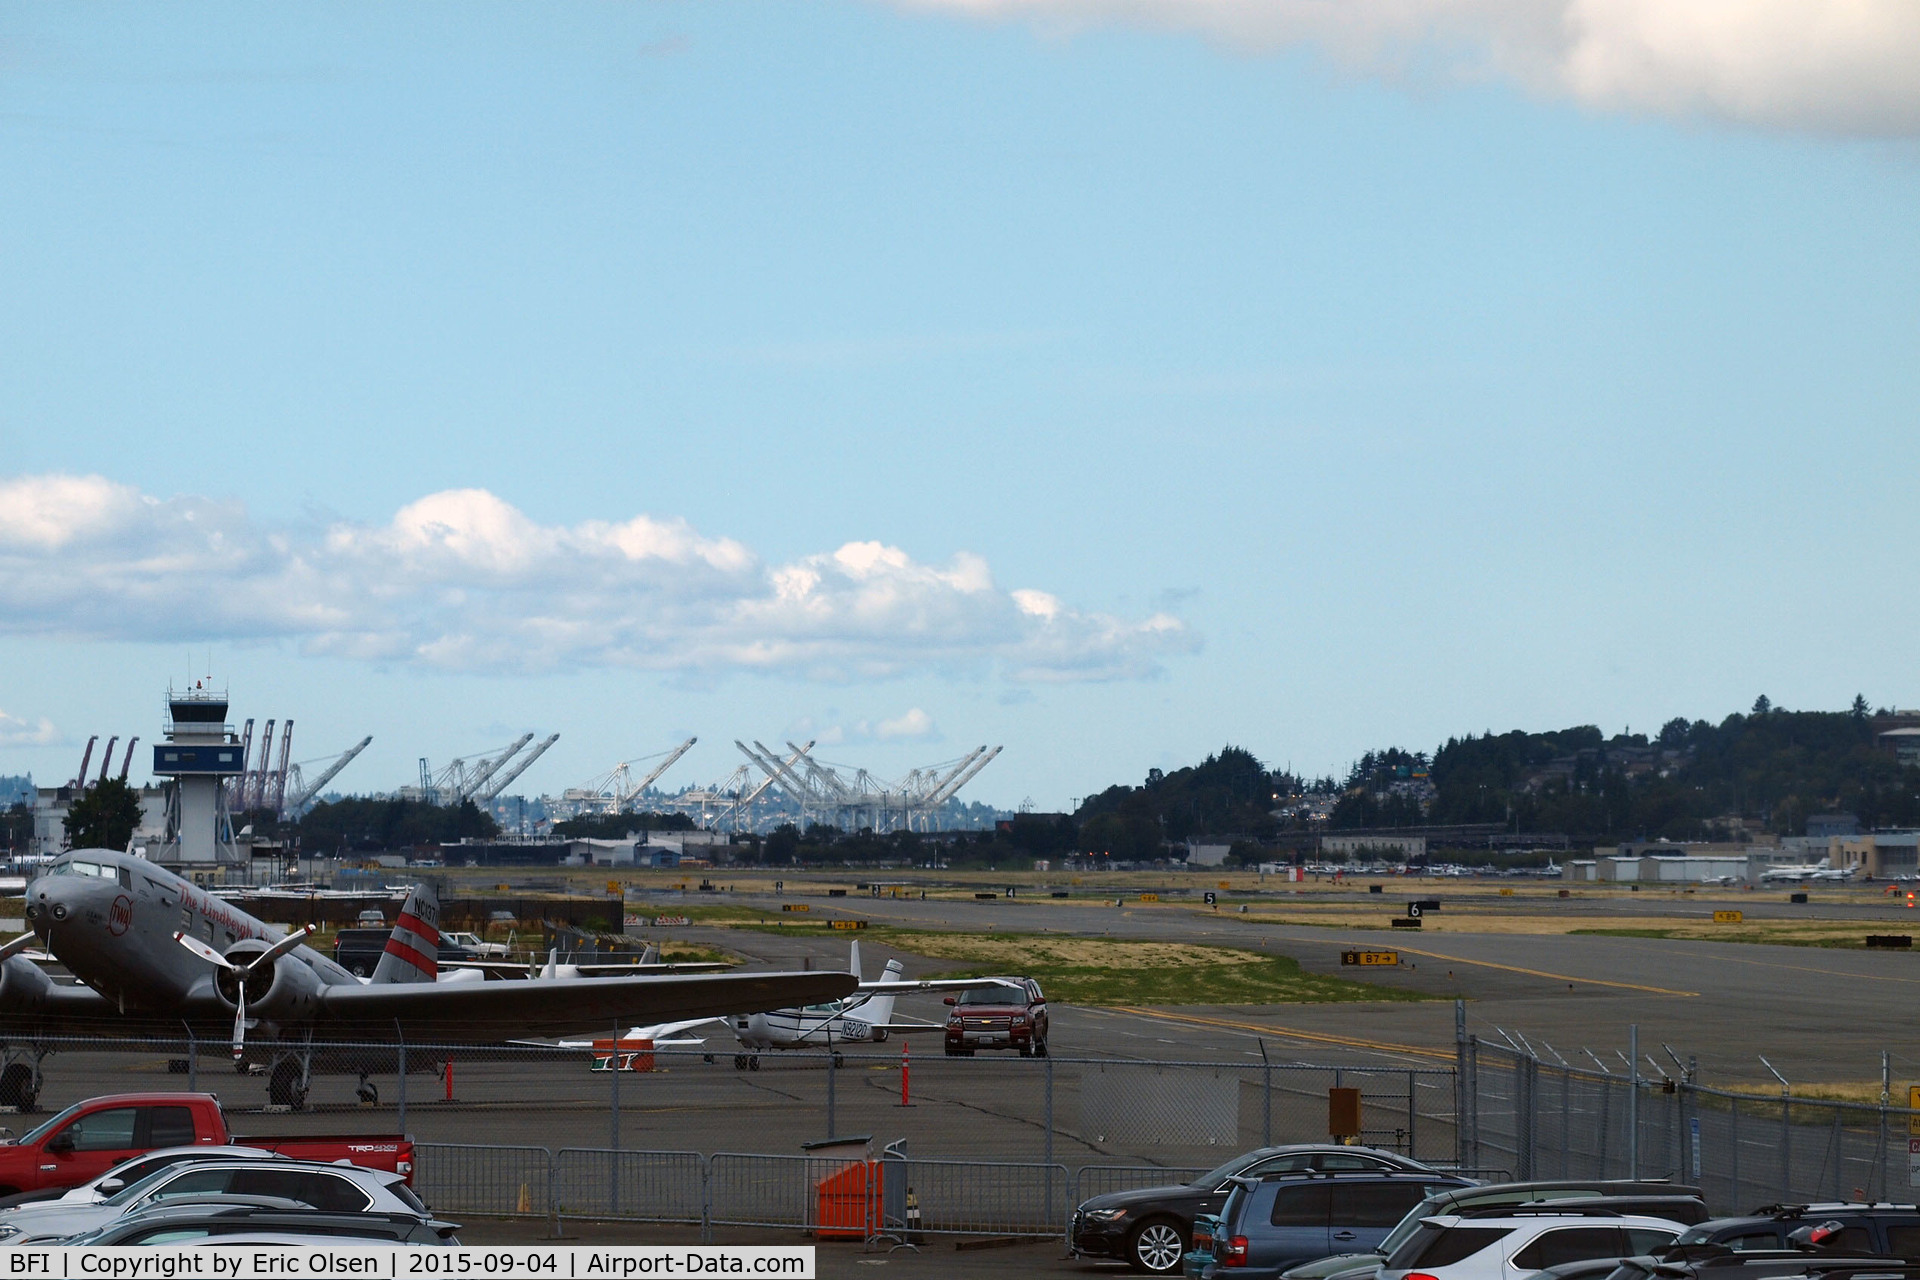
column 1816, row 871
column 161, row 956
column 865, row 1017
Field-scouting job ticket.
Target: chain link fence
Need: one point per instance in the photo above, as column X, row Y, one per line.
column 1555, row 1120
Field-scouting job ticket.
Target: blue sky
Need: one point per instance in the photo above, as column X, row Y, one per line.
column 1107, row 381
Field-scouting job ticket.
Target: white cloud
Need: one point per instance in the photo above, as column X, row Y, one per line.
column 461, row 580
column 913, row 726
column 16, row 732
column 1842, row 66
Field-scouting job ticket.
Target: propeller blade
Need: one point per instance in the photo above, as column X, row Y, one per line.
column 204, row 951
column 281, row 947
column 16, row 946
column 240, row 1021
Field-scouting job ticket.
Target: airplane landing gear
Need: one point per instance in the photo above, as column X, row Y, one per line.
column 746, row 1062
column 20, row 1078
column 20, row 1086
column 838, row 1060
column 289, row 1078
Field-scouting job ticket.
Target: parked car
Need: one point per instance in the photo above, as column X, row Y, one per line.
column 216, row 1222
column 1149, row 1227
column 91, row 1137
column 1273, row 1222
column 1474, row 1247
column 1012, row 1014
column 131, row 1171
column 1362, row 1265
column 333, row 1188
column 1891, row 1230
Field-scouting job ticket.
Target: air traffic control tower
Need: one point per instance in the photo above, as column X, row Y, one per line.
column 200, row 753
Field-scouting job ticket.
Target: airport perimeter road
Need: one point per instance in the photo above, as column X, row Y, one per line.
column 1817, row 1013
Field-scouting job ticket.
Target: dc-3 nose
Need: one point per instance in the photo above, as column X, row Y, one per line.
column 53, row 901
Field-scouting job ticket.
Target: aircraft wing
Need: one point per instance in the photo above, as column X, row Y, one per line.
column 548, row 1006
column 883, row 986
column 616, row 970
column 659, row 1034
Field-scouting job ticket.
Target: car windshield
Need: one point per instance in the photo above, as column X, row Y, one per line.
column 1214, row 1177
column 135, row 1190
column 1411, row 1223
column 995, row 994
column 34, row 1135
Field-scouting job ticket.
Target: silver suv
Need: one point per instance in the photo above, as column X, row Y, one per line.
column 331, row 1188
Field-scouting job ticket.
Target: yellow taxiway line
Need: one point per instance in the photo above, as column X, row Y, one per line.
column 1287, row 1033
column 1539, row 973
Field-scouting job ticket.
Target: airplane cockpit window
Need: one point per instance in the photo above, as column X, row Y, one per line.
column 80, row 868
column 126, row 877
column 58, row 867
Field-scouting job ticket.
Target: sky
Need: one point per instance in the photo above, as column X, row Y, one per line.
column 1110, row 380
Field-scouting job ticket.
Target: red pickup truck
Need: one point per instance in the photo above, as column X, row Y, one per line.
column 90, row 1137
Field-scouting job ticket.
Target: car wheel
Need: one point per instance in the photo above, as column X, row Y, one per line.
column 1155, row 1247
column 1039, row 1048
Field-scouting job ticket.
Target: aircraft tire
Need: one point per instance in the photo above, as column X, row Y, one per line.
column 283, row 1087
column 739, row 1062
column 753, row 1062
column 16, row 1086
column 838, row 1060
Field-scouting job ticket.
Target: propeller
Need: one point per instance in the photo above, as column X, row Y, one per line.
column 240, row 972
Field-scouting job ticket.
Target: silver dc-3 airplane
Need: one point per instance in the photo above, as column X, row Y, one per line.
column 161, row 957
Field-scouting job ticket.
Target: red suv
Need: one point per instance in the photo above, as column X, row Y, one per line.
column 1012, row 1014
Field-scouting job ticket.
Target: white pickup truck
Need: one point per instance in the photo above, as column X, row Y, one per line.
column 471, row 941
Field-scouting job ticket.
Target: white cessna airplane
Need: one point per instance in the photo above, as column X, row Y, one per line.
column 1815, row 871
column 865, row 1017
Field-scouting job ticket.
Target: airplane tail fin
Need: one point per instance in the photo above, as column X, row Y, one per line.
column 879, row 1010
column 413, row 952
column 853, row 964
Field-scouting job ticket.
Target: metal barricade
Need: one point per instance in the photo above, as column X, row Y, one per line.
column 631, row 1186
column 502, row 1182
column 964, row 1197
column 745, row 1190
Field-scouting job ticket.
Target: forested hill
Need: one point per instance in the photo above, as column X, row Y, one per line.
column 1771, row 766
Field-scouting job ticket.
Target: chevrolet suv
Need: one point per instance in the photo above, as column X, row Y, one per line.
column 1011, row 1014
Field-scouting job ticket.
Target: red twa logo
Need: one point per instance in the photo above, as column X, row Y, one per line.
column 120, row 917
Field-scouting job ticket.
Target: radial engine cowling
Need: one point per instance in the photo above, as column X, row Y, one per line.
column 289, row 990
column 23, row 986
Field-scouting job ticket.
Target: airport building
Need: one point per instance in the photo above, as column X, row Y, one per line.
column 1883, row 855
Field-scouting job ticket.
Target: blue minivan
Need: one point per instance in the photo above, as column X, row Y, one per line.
column 1273, row 1223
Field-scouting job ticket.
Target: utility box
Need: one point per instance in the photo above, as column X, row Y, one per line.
column 848, row 1202
column 1343, row 1112
column 623, row 1055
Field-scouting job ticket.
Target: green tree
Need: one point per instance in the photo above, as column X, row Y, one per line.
column 1859, row 711
column 103, row 816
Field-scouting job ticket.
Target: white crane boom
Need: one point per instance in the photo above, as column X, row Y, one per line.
column 633, row 793
column 493, row 793
column 791, row 760
column 947, row 792
column 471, row 786
column 312, row 789
column 932, row 791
